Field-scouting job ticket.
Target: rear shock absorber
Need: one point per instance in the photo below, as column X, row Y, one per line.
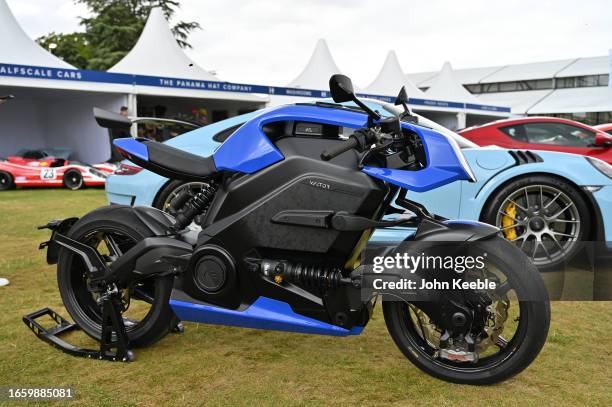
column 305, row 275
column 194, row 207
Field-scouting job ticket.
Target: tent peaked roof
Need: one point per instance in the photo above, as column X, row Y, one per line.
column 157, row 53
column 391, row 78
column 16, row 47
column 446, row 87
column 318, row 70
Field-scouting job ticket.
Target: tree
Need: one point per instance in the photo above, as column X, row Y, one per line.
column 72, row 48
column 111, row 31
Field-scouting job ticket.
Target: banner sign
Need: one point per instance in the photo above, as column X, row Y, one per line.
column 81, row 75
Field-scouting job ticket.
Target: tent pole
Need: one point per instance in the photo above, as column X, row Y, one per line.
column 133, row 111
column 461, row 120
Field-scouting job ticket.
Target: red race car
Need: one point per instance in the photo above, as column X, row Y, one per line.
column 49, row 172
column 543, row 133
column 54, row 157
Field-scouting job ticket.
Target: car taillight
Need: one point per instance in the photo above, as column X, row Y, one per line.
column 126, row 169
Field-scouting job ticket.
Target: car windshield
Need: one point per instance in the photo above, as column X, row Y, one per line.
column 387, row 109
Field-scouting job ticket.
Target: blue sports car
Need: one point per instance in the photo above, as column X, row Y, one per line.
column 548, row 203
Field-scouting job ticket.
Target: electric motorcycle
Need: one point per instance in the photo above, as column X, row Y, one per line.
column 288, row 205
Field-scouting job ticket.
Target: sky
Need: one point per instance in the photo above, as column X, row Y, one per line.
column 270, row 41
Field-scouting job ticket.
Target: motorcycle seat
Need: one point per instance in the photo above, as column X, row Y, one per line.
column 165, row 160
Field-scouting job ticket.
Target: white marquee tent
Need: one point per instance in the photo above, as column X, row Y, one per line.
column 157, row 53
column 388, row 82
column 391, row 78
column 48, row 112
column 446, row 87
column 532, row 88
column 54, row 100
column 315, row 75
column 318, row 70
column 16, row 46
column 583, row 100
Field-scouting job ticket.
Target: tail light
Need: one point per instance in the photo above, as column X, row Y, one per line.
column 126, row 169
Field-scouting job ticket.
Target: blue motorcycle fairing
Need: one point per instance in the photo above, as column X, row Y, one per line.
column 443, row 166
column 132, row 147
column 264, row 313
column 248, row 150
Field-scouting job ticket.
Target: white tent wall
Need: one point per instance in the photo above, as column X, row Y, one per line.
column 21, row 125
column 70, row 123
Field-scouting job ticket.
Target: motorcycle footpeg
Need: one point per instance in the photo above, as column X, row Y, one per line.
column 63, row 326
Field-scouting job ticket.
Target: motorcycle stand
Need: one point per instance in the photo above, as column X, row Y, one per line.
column 112, row 323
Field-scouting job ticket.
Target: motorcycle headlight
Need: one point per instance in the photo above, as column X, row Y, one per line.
column 601, row 166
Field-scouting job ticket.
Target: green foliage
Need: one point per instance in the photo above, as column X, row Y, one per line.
column 111, row 31
column 72, row 48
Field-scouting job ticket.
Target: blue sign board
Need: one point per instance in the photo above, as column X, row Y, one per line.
column 80, row 75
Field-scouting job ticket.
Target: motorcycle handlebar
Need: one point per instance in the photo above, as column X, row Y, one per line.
column 339, row 149
column 360, row 140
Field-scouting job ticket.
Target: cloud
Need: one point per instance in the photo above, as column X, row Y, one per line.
column 269, row 42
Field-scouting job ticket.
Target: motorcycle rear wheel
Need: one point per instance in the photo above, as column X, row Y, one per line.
column 533, row 318
column 151, row 316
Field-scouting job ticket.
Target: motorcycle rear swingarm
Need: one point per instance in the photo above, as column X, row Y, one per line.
column 112, row 349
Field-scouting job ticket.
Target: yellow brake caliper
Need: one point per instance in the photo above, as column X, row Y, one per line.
column 508, row 220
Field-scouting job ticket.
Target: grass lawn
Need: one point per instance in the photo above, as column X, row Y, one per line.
column 234, row 366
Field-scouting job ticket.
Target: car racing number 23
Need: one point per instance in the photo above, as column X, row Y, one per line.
column 47, row 173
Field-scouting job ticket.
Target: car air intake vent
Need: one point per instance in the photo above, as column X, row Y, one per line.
column 525, row 157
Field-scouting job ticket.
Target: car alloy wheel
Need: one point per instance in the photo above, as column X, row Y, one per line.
column 6, row 181
column 542, row 220
column 73, row 180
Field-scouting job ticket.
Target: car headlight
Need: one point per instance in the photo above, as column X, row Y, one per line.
column 601, row 166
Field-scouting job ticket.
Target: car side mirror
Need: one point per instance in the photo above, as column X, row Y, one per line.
column 111, row 120
column 341, row 88
column 602, row 140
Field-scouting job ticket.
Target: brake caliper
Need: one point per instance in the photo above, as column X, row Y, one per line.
column 508, row 221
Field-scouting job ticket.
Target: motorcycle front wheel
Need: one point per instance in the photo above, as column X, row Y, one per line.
column 515, row 332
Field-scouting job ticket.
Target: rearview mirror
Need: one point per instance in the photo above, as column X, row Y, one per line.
column 602, row 140
column 111, row 120
column 402, row 100
column 341, row 88
column 402, row 97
